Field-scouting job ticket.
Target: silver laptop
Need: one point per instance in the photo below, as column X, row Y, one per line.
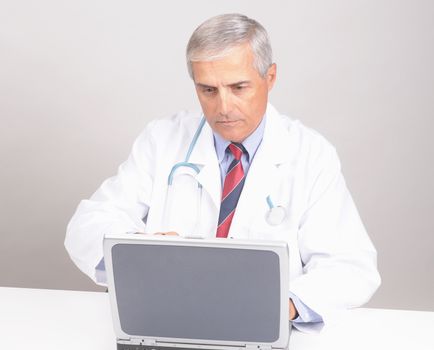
column 179, row 293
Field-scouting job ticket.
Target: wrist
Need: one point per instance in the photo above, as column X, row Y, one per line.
column 293, row 313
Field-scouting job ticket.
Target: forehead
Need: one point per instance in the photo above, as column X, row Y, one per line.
column 237, row 65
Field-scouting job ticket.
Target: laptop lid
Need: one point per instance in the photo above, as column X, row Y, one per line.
column 218, row 292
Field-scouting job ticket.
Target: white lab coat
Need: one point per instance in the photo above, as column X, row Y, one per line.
column 332, row 260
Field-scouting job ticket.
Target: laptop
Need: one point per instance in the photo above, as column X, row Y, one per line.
column 173, row 293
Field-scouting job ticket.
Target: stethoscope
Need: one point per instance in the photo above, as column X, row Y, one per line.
column 274, row 216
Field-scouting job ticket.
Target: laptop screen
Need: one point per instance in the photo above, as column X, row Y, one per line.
column 171, row 291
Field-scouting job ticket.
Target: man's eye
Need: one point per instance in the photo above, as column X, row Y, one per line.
column 208, row 90
column 239, row 87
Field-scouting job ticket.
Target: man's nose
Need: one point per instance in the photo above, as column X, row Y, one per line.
column 225, row 103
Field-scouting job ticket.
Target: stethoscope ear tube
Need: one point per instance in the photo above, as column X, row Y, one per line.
column 194, row 140
column 181, row 165
column 186, row 162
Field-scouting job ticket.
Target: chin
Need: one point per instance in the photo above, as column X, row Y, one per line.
column 232, row 135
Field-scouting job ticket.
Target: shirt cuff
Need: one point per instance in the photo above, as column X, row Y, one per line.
column 305, row 314
column 100, row 274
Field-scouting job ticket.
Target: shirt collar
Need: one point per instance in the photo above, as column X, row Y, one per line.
column 251, row 143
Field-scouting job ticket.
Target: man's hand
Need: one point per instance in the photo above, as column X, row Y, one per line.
column 293, row 313
column 170, row 233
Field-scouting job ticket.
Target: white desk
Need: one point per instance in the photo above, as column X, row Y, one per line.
column 53, row 319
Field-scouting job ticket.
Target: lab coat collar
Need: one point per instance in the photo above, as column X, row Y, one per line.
column 276, row 142
column 275, row 137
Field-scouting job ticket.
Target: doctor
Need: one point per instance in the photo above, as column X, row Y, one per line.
column 248, row 172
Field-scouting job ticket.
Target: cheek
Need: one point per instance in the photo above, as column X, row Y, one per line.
column 207, row 104
column 246, row 107
column 253, row 110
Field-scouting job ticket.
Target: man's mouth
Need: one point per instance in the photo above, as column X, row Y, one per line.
column 227, row 122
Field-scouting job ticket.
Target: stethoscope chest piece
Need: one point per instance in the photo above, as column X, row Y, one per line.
column 275, row 216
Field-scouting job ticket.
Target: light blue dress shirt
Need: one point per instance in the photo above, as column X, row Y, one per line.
column 251, row 144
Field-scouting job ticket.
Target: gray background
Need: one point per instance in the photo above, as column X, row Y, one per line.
column 79, row 80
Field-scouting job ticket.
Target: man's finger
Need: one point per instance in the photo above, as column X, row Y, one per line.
column 170, row 233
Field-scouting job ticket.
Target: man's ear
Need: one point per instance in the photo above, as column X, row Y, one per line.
column 271, row 76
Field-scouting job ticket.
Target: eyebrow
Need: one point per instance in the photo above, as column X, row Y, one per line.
column 230, row 85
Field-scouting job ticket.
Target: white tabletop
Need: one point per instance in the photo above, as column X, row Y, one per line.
column 54, row 319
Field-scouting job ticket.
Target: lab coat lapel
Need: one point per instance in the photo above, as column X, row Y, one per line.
column 263, row 173
column 204, row 155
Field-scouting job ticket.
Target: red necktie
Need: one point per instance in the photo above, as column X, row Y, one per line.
column 234, row 182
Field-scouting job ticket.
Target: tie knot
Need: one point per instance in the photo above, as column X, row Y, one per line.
column 237, row 150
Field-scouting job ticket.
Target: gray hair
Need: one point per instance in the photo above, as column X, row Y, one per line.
column 217, row 36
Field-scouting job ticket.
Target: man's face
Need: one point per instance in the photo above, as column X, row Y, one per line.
column 232, row 94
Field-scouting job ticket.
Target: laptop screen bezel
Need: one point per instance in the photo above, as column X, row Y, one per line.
column 279, row 248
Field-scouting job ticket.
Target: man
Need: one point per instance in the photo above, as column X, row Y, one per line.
column 248, row 172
